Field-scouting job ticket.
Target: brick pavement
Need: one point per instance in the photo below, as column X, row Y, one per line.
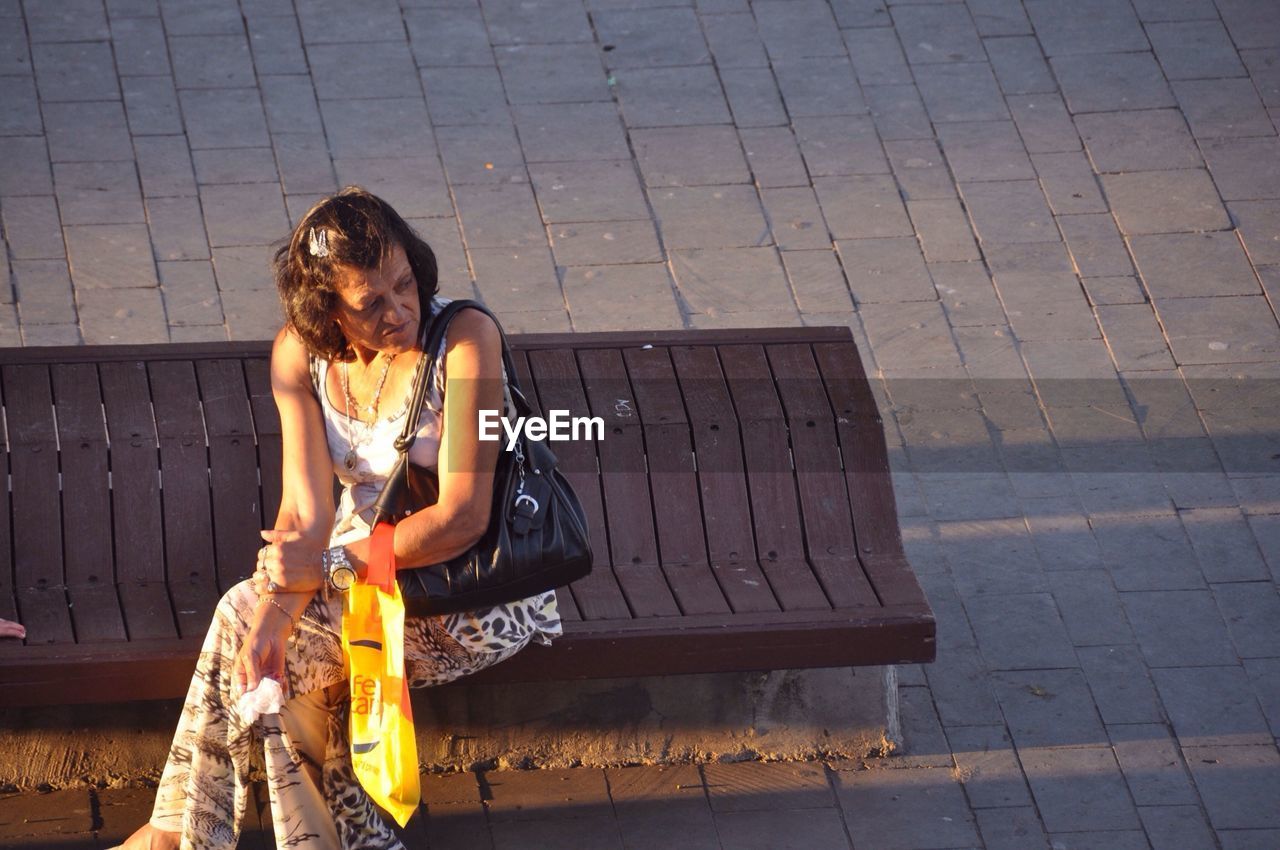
column 1052, row 226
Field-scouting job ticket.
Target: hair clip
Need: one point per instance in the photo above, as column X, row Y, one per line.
column 319, row 246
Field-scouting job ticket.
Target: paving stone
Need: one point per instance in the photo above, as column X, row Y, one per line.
column 620, row 297
column 1151, row 763
column 1175, row 10
column 1225, row 546
column 999, row 17
column 164, row 166
column 152, row 106
column 139, row 46
column 886, row 270
column 961, row 689
column 252, row 314
column 304, row 164
column 290, row 104
column 20, row 105
column 649, row 37
column 1235, row 782
column 385, row 69
column 24, row 169
column 328, row 23
column 862, row 206
column 961, row 91
column 731, row 280
column 44, row 292
column 1174, row 826
column 244, row 214
column 235, row 165
column 75, row 71
column 734, row 41
column 1219, row 330
column 1151, row 553
column 943, row 230
column 1250, row 23
column 1009, row 212
column 988, row 767
column 1124, row 693
column 1099, row 251
column 795, row 219
column 470, row 95
column 1043, row 123
column 1227, row 108
column 1019, row 66
column 818, row 282
column 752, row 786
column 937, row 33
column 920, row 170
column 1155, row 202
column 1179, row 628
column 122, row 315
column 753, row 97
column 190, row 293
column 1111, row 82
column 898, row 112
column 519, row 795
column 1011, row 828
column 1264, row 69
column 903, row 807
column 1258, row 223
column 32, row 228
column 606, row 243
column 1243, row 169
column 1211, row 706
column 861, row 13
column 1086, row 597
column 1262, row 674
column 224, row 118
column 243, row 267
column 177, row 229
column 909, row 333
column 1145, row 140
column 405, row 130
column 774, row 157
column 746, row 319
column 791, row 829
column 985, row 150
column 590, row 191
column 690, row 156
column 877, row 56
column 1135, row 339
column 64, row 819
column 709, row 216
column 971, row 496
column 447, row 36
column 1078, row 785
column 51, row 335
column 1194, row 50
column 794, row 30
column 534, row 23
column 670, row 97
column 1194, row 265
column 1113, row 290
column 414, row 186
column 504, row 215
column 967, row 295
column 519, row 280
column 556, row 833
column 1252, row 612
column 97, row 193
column 570, row 131
column 821, row 85
column 566, row 73
column 838, row 145
column 276, row 44
column 212, row 61
column 1020, row 631
column 87, row 132
column 1088, row 26
column 481, row 153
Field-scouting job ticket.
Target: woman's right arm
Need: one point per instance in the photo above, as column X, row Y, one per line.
column 306, row 503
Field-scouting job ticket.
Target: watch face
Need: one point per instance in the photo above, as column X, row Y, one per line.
column 342, row 577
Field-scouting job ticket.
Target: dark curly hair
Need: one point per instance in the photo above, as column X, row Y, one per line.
column 361, row 230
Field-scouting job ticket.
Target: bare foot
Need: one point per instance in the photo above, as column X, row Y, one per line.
column 149, row 838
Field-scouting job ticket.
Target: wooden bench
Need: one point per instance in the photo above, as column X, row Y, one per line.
column 741, row 507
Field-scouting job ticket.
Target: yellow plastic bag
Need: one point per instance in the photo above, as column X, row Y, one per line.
column 384, row 751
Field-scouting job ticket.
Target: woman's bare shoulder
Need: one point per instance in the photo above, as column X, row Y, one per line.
column 290, row 361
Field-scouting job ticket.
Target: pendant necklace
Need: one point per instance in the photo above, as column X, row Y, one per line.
column 349, row 461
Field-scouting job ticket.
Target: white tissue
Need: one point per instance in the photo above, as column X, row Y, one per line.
column 264, row 699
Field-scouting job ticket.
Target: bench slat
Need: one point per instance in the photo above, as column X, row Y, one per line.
column 628, row 505
column 266, row 426
column 95, row 608
column 136, row 504
column 188, row 520
column 233, row 469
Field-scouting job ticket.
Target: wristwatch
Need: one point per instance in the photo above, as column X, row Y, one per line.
column 338, row 571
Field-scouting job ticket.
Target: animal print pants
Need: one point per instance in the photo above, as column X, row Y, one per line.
column 316, row 801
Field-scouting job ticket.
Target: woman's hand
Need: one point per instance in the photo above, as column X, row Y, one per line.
column 290, row 560
column 8, row 628
column 263, row 651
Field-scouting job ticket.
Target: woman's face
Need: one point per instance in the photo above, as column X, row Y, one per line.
column 378, row 308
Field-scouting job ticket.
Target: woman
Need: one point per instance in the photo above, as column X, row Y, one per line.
column 355, row 281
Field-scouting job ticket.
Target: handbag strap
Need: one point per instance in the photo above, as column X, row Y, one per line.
column 433, row 335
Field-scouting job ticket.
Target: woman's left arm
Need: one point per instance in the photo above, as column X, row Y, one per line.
column 473, row 360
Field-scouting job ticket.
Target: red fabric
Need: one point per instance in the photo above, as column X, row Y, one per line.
column 382, row 557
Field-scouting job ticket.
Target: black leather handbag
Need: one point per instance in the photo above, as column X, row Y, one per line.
column 537, row 537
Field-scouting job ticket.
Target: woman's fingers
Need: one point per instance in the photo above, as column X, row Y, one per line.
column 8, row 628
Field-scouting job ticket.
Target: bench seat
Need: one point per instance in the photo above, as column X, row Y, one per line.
column 741, row 508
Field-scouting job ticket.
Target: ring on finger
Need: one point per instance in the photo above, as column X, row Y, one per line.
column 272, row 587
